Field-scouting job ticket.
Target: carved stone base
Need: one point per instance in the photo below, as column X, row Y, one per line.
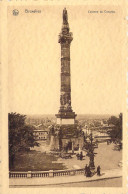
column 65, row 121
column 66, row 115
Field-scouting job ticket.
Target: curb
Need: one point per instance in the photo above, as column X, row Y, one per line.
column 88, row 180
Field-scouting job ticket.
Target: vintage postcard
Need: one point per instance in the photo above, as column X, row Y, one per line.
column 64, row 102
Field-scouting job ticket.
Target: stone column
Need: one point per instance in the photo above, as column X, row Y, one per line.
column 65, row 115
column 65, row 39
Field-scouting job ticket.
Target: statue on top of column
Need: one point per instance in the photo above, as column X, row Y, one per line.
column 65, row 16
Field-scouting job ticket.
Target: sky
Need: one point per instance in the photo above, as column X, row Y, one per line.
column 34, row 60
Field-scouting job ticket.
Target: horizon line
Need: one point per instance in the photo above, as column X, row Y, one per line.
column 77, row 113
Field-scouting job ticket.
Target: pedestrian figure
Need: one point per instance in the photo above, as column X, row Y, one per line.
column 81, row 155
column 89, row 171
column 86, row 167
column 98, row 170
column 78, row 156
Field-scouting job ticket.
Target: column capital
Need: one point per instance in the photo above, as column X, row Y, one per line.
column 65, row 38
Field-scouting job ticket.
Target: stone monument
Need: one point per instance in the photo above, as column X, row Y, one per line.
column 69, row 134
column 65, row 115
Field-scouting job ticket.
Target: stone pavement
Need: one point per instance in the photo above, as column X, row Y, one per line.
column 102, row 158
column 107, row 174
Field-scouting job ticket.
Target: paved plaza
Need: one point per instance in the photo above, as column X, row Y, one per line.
column 107, row 157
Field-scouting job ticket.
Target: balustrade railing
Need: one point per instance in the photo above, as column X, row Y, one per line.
column 17, row 174
column 40, row 174
column 50, row 173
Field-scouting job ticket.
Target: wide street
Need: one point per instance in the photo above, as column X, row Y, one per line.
column 115, row 182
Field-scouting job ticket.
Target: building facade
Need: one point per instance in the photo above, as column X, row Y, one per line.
column 40, row 135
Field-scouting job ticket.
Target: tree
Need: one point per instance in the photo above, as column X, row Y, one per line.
column 21, row 136
column 116, row 132
column 113, row 120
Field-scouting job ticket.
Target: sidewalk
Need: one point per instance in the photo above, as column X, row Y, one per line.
column 108, row 174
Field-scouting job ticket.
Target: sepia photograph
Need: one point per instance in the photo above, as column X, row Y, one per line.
column 65, row 96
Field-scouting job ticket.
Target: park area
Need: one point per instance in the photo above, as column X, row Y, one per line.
column 107, row 156
column 35, row 161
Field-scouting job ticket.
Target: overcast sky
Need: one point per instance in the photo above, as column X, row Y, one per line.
column 34, row 60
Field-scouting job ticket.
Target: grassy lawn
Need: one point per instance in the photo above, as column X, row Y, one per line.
column 35, row 161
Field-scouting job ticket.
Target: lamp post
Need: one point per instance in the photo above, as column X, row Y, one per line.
column 91, row 153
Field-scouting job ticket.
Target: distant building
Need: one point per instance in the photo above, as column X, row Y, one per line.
column 40, row 134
